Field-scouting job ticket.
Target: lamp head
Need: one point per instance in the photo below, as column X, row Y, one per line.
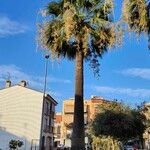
column 46, row 56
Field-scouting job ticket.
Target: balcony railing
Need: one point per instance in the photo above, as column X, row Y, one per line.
column 71, row 110
column 49, row 113
column 57, row 136
column 47, row 129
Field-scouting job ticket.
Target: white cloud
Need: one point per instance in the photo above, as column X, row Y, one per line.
column 10, row 27
column 53, row 79
column 137, row 72
column 138, row 93
column 15, row 74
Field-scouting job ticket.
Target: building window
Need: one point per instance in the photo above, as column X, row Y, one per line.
column 53, row 107
column 50, row 121
column 58, row 130
column 50, row 106
column 69, row 108
column 52, row 129
column 46, row 126
column 53, row 115
column 43, row 142
column 96, row 105
column 46, row 122
column 47, row 107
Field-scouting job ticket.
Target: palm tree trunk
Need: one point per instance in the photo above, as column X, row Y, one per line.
column 78, row 125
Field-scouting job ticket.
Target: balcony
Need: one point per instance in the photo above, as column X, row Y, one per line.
column 68, row 136
column 57, row 136
column 47, row 129
column 70, row 110
column 49, row 113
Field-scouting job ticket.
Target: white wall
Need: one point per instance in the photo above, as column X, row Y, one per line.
column 20, row 115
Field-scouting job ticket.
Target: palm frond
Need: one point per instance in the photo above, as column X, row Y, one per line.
column 79, row 25
column 135, row 15
column 68, row 18
column 148, row 16
column 55, row 8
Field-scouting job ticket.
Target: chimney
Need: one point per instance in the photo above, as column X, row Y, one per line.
column 8, row 83
column 23, row 83
column 92, row 96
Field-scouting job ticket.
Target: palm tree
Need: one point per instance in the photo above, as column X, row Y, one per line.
column 79, row 29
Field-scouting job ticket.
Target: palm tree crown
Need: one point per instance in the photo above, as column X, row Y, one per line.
column 79, row 25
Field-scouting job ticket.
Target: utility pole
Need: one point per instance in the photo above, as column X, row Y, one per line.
column 148, row 139
column 44, row 91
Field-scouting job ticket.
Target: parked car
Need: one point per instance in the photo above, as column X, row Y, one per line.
column 60, row 147
column 133, row 145
column 88, row 146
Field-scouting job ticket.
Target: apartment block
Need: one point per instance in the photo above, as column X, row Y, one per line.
column 57, row 129
column 21, row 117
column 91, row 107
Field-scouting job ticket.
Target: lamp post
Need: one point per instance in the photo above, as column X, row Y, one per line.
column 149, row 139
column 42, row 118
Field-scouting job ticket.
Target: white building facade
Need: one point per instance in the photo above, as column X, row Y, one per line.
column 21, row 115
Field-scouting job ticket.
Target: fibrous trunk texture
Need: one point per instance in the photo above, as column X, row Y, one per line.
column 78, row 125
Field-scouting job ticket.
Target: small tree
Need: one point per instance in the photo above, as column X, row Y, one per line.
column 15, row 144
column 119, row 122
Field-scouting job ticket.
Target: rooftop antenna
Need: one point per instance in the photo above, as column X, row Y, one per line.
column 7, row 76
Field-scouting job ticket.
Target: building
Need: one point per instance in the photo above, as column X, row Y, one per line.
column 91, row 107
column 146, row 135
column 57, row 129
column 64, row 120
column 21, row 117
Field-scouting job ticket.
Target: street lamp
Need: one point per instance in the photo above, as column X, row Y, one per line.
column 148, row 139
column 44, row 91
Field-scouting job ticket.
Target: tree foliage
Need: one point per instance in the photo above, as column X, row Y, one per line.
column 15, row 144
column 85, row 26
column 120, row 122
column 136, row 14
column 88, row 26
column 105, row 143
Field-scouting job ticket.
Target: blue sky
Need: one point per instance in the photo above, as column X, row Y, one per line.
column 124, row 71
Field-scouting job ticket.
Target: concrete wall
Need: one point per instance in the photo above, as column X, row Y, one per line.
column 20, row 115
